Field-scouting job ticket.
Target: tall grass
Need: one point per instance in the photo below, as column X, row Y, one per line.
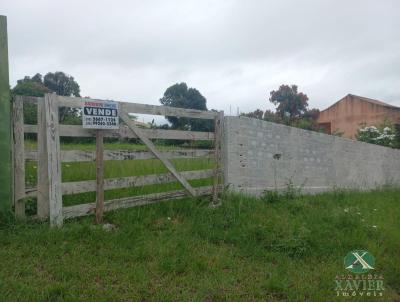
column 247, row 249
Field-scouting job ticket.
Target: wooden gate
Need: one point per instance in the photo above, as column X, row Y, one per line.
column 50, row 189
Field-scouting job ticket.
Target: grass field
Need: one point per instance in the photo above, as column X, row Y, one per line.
column 245, row 250
column 80, row 171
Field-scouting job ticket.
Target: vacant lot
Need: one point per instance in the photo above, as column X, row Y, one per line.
column 245, row 250
column 81, row 171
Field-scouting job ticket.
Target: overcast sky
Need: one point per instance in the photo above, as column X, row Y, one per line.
column 233, row 52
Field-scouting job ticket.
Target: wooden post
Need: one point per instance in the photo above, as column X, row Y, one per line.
column 43, row 205
column 5, row 124
column 53, row 159
column 19, row 157
column 99, row 176
column 217, row 155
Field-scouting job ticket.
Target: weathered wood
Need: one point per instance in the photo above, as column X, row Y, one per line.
column 131, row 181
column 167, row 111
column 6, row 178
column 89, row 208
column 217, row 154
column 125, row 117
column 75, row 187
column 143, row 108
column 99, row 176
column 43, row 205
column 54, row 160
column 222, row 146
column 18, row 156
column 31, row 192
column 125, row 132
column 81, row 155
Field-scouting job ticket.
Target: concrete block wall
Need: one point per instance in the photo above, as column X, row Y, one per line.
column 260, row 156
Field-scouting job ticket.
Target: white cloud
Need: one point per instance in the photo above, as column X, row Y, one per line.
column 234, row 52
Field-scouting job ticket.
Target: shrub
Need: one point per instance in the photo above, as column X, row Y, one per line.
column 383, row 135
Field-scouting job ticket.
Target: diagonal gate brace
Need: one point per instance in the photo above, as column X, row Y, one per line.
column 131, row 125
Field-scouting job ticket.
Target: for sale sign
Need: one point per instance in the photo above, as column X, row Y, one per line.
column 100, row 115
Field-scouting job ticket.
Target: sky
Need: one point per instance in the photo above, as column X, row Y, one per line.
column 233, row 52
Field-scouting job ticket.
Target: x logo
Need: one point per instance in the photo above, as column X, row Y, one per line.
column 359, row 259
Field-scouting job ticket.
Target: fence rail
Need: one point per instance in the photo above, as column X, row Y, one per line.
column 81, row 155
column 125, row 132
column 124, row 182
column 143, row 108
column 50, row 188
column 89, row 208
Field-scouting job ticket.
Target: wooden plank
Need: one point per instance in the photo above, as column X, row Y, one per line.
column 6, row 178
column 43, row 205
column 99, row 176
column 125, row 132
column 18, row 155
column 124, row 182
column 81, row 155
column 221, row 158
column 166, row 111
column 66, row 101
column 177, row 134
column 131, row 181
column 89, row 208
column 125, row 117
column 54, row 160
column 217, row 154
column 31, row 192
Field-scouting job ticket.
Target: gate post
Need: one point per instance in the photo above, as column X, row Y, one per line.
column 43, row 203
column 18, row 157
column 5, row 125
column 218, row 133
column 53, row 159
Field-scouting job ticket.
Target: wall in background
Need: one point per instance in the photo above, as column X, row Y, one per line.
column 260, row 156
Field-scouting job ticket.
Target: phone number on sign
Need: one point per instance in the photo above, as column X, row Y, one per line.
column 102, row 121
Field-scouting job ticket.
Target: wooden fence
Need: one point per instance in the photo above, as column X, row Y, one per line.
column 50, row 188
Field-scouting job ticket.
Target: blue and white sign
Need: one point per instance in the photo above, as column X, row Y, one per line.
column 100, row 115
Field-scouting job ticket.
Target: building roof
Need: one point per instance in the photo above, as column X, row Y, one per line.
column 372, row 101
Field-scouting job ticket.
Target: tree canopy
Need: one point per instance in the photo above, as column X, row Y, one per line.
column 30, row 88
column 258, row 114
column 290, row 103
column 291, row 109
column 179, row 95
column 58, row 82
column 61, row 83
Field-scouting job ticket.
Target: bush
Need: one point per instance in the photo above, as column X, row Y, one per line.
column 384, row 135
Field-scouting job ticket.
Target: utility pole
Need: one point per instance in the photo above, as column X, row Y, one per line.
column 5, row 124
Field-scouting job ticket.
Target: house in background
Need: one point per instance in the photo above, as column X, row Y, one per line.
column 351, row 112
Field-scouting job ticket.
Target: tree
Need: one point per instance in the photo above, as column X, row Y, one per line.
column 308, row 120
column 180, row 96
column 258, row 114
column 290, row 103
column 273, row 117
column 57, row 82
column 30, row 87
column 61, row 83
column 291, row 109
